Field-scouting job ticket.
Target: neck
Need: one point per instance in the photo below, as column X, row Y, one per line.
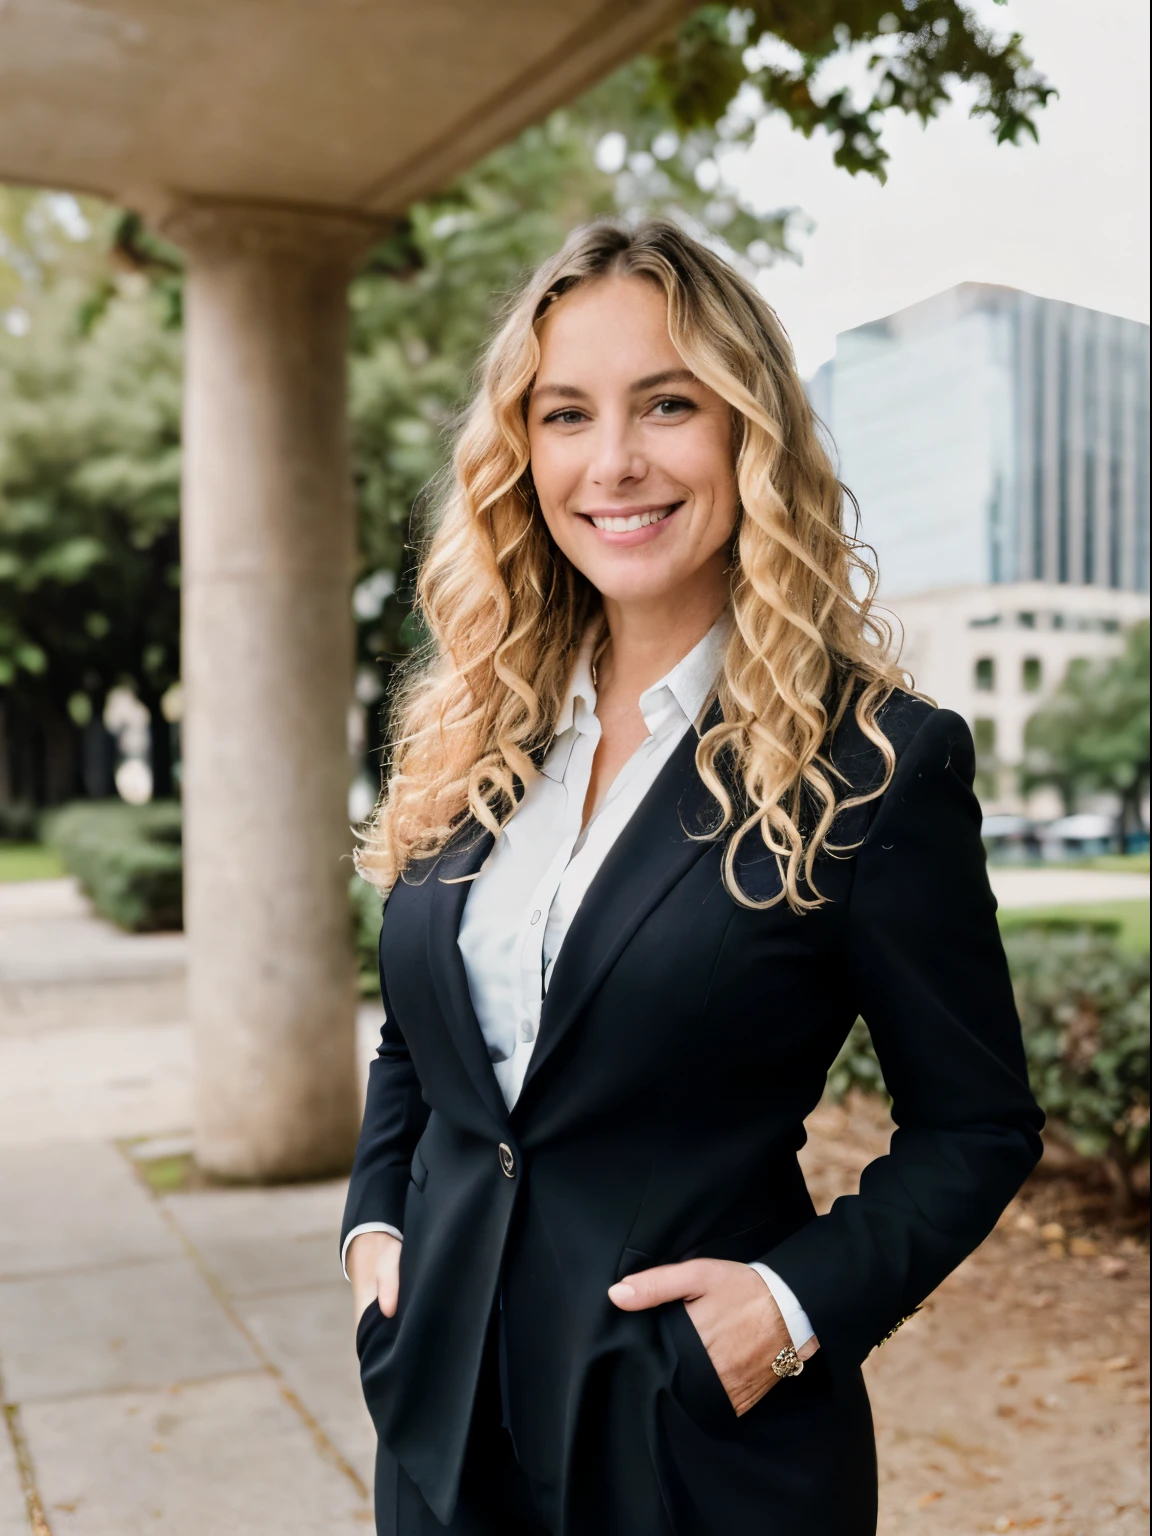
column 647, row 639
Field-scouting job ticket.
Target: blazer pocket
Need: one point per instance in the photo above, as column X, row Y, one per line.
column 696, row 1386
column 419, row 1170
column 370, row 1320
column 632, row 1261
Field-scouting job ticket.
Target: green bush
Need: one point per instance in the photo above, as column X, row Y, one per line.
column 1083, row 1003
column 367, row 915
column 127, row 858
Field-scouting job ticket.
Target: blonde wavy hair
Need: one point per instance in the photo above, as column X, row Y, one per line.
column 506, row 610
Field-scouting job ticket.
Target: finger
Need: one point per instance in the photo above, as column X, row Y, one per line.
column 653, row 1287
column 388, row 1292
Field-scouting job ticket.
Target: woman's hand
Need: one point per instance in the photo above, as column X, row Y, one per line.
column 373, row 1264
column 731, row 1309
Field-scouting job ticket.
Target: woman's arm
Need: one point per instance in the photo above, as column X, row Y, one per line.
column 395, row 1115
column 933, row 987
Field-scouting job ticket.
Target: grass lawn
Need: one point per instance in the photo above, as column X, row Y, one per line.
column 1120, row 863
column 1130, row 919
column 29, row 861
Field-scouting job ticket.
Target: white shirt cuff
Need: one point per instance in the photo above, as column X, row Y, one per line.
column 366, row 1226
column 794, row 1315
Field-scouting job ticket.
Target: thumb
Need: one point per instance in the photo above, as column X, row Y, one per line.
column 653, row 1287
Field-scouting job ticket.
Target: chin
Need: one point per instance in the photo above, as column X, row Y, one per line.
column 634, row 586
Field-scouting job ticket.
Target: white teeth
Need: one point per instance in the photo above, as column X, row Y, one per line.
column 628, row 524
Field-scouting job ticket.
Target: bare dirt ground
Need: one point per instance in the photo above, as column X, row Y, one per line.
column 1017, row 1400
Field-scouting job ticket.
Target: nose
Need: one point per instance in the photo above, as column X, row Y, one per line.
column 616, row 456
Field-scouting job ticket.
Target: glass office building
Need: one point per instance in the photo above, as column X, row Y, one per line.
column 992, row 436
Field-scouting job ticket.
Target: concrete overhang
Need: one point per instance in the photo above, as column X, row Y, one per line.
column 363, row 105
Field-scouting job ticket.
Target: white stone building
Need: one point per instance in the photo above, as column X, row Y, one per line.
column 993, row 653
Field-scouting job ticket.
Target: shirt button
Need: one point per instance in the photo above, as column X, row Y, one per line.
column 536, row 915
column 507, row 1161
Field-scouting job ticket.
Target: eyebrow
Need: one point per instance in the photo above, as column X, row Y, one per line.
column 653, row 381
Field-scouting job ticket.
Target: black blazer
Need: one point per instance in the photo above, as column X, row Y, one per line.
column 683, row 1041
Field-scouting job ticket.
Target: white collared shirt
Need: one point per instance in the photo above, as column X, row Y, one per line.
column 529, row 889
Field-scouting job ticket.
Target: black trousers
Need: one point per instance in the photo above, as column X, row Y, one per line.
column 800, row 1463
column 495, row 1493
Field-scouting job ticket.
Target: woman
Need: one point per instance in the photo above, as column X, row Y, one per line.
column 660, row 823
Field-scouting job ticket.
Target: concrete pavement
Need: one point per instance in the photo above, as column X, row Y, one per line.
column 173, row 1364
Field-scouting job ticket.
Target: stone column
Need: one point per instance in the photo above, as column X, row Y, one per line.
column 268, row 546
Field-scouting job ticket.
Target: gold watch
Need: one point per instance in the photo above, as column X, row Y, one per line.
column 787, row 1362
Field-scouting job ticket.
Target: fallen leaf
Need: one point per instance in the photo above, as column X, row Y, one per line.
column 1009, row 1379
column 1119, row 1363
column 1052, row 1232
column 929, row 1498
column 1003, row 1524
column 1083, row 1248
column 1057, row 1250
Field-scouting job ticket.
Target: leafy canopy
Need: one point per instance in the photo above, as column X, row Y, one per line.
column 1092, row 735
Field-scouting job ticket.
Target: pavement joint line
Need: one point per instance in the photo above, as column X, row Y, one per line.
column 323, row 1444
column 136, row 1388
column 33, row 1504
column 15, row 1277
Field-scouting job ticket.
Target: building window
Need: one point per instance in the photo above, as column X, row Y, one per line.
column 1031, row 674
column 985, row 674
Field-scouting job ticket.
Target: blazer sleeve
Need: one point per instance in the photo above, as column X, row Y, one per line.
column 932, row 984
column 395, row 1115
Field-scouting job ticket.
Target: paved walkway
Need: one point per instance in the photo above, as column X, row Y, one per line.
column 178, row 1365
column 1056, row 887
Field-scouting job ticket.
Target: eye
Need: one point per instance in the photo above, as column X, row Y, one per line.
column 569, row 416
column 672, row 406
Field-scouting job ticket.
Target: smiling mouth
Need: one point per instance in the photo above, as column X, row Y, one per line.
column 628, row 523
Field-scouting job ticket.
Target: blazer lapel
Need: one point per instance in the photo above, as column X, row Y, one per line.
column 445, row 907
column 652, row 853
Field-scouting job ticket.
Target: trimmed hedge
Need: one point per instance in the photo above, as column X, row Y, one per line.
column 127, row 858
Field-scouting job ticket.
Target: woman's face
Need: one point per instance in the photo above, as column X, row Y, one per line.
column 632, row 456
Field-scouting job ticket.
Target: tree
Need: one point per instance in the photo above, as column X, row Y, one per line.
column 89, row 541
column 1092, row 735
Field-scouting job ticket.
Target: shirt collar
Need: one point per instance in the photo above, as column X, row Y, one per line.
column 581, row 688
column 692, row 681
column 688, row 686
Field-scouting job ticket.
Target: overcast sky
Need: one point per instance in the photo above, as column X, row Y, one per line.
column 1067, row 218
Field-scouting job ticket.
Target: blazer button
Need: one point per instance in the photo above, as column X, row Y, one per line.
column 507, row 1161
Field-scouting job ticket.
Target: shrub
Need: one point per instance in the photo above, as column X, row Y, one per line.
column 367, row 915
column 1083, row 1003
column 1084, row 1008
column 127, row 858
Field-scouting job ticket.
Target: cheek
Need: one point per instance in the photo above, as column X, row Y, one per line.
column 703, row 462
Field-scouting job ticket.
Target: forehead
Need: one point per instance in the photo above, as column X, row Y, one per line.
column 611, row 325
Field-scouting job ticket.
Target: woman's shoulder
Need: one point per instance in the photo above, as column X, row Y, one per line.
column 918, row 733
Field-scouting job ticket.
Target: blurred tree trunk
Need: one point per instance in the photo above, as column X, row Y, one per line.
column 160, row 747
